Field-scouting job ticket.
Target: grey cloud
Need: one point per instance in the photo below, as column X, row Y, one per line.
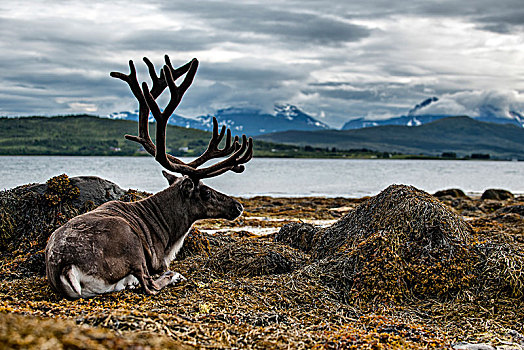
column 500, row 17
column 312, row 28
column 11, row 105
column 53, row 33
column 504, row 23
column 261, row 19
column 182, row 40
column 501, row 28
column 497, row 16
column 512, row 17
column 349, row 94
column 251, row 73
column 378, row 92
column 241, row 83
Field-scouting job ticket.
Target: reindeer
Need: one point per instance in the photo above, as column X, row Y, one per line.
column 125, row 245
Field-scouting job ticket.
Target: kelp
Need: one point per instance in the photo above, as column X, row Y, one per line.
column 402, row 270
column 399, row 245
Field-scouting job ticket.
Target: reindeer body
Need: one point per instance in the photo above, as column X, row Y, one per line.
column 122, row 245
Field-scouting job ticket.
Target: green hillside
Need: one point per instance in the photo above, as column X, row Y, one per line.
column 90, row 135
column 83, row 135
column 461, row 135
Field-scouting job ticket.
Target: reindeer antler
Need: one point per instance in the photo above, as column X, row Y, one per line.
column 237, row 154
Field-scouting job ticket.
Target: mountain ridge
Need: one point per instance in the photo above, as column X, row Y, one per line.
column 250, row 121
column 253, row 121
column 416, row 116
column 461, row 135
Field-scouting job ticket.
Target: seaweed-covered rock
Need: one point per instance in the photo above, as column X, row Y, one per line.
column 29, row 214
column 399, row 244
column 404, row 212
column 298, row 235
column 250, row 257
column 497, row 194
column 452, row 192
column 516, row 209
column 195, row 243
column 81, row 189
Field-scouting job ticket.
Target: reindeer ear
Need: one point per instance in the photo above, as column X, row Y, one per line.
column 187, row 186
column 170, row 177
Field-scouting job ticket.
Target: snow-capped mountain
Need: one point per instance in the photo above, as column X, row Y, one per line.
column 174, row 119
column 419, row 115
column 294, row 114
column 516, row 118
column 414, row 120
column 249, row 121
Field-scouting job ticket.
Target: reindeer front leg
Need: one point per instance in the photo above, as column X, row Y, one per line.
column 168, row 278
column 153, row 286
column 145, row 280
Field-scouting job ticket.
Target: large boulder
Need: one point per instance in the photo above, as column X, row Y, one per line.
column 91, row 189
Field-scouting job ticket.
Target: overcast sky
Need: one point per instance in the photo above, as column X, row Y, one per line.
column 337, row 60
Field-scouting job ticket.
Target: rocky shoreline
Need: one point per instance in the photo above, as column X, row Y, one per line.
column 403, row 269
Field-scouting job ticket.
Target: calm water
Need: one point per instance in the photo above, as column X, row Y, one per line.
column 281, row 177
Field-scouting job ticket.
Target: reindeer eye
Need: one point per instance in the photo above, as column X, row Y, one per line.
column 206, row 193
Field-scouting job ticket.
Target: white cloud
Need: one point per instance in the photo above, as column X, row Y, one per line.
column 82, row 106
column 477, row 103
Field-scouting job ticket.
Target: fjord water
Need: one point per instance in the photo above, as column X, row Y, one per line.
column 281, row 177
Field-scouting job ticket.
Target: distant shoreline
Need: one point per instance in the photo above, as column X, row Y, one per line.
column 454, row 138
column 276, row 156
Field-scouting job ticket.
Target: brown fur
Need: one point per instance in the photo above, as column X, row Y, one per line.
column 120, row 239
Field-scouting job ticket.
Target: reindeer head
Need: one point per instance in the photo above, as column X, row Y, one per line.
column 205, row 202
